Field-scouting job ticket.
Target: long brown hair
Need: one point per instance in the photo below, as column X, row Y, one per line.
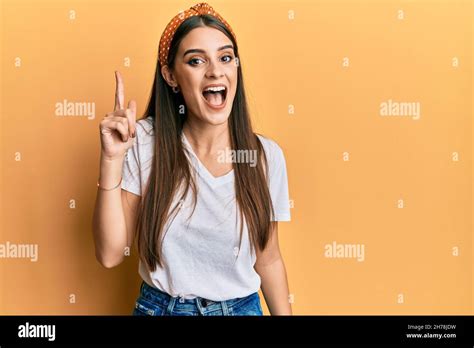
column 171, row 170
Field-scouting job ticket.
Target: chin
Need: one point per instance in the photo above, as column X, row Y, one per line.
column 216, row 118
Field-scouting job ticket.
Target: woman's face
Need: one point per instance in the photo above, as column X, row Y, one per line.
column 205, row 70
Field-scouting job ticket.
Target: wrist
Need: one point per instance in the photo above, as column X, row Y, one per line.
column 108, row 189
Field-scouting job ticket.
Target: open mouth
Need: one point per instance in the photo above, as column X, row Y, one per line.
column 215, row 95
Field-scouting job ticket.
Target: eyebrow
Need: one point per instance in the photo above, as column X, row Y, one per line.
column 199, row 50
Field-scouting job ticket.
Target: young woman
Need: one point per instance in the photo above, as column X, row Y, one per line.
column 202, row 193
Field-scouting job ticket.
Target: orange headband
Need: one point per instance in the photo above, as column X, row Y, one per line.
column 196, row 10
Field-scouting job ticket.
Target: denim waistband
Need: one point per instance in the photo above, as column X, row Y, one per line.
column 197, row 304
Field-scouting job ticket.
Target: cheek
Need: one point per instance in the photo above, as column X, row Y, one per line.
column 192, row 100
column 189, row 83
column 233, row 80
column 191, row 93
column 234, row 90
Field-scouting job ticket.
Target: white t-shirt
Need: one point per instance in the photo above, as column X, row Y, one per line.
column 201, row 255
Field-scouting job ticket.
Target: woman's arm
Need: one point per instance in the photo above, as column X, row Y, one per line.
column 271, row 268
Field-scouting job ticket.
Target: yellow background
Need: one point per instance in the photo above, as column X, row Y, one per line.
column 286, row 61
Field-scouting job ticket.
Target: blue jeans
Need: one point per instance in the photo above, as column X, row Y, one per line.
column 154, row 302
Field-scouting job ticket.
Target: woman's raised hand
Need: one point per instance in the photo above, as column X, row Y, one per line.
column 117, row 129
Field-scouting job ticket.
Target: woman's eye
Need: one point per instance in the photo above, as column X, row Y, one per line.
column 197, row 61
column 227, row 58
column 194, row 61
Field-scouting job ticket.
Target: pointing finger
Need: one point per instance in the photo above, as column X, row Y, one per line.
column 119, row 93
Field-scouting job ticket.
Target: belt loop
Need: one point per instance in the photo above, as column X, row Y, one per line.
column 170, row 305
column 225, row 309
column 197, row 300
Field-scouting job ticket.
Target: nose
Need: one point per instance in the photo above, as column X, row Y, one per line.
column 214, row 70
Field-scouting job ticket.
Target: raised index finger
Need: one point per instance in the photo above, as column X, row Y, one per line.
column 119, row 93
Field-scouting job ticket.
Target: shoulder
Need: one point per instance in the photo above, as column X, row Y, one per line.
column 145, row 125
column 143, row 145
column 272, row 149
column 145, row 132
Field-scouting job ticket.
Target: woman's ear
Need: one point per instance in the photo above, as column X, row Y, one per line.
column 168, row 76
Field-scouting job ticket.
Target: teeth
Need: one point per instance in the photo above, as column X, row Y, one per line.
column 215, row 89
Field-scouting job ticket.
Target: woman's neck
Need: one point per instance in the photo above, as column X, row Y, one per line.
column 207, row 139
